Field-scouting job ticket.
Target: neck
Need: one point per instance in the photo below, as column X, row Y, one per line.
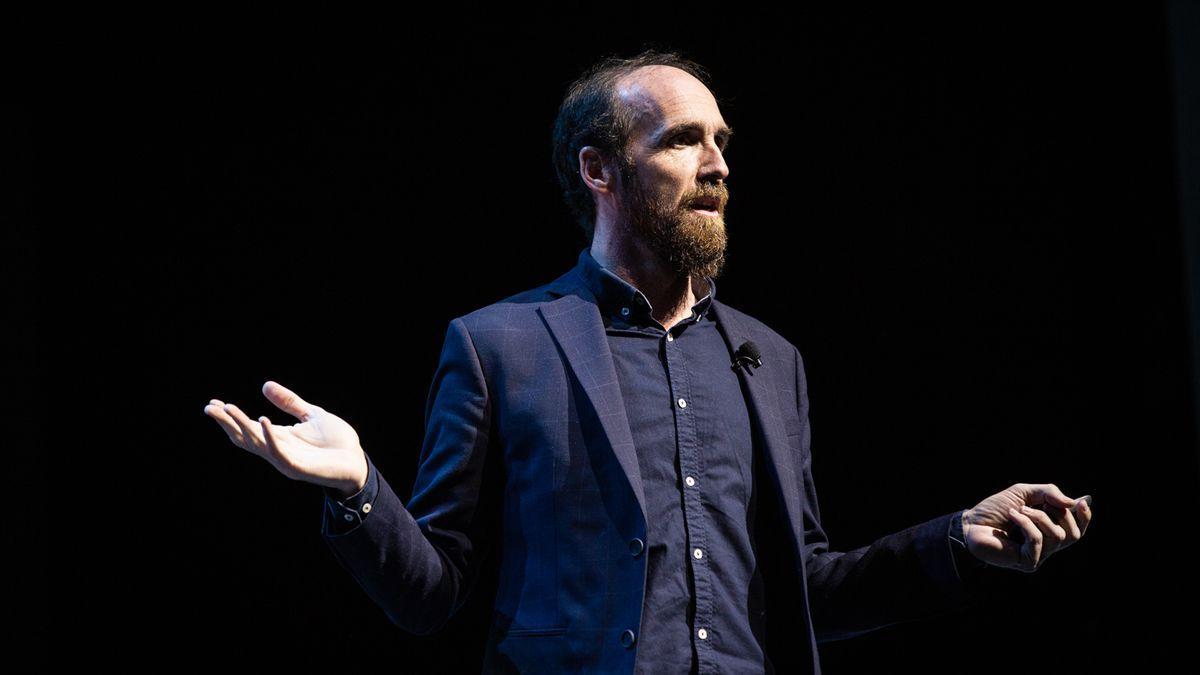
column 671, row 295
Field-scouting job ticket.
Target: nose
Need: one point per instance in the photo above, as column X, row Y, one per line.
column 713, row 168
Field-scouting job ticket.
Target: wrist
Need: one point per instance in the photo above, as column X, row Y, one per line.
column 959, row 527
column 352, row 487
column 347, row 491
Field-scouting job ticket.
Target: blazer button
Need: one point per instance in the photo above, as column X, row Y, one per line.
column 636, row 546
column 628, row 638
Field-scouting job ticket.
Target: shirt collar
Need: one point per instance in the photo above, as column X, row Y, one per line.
column 618, row 298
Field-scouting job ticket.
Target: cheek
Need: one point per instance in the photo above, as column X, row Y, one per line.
column 672, row 188
column 666, row 181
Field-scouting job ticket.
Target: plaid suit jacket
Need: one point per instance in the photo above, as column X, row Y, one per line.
column 528, row 449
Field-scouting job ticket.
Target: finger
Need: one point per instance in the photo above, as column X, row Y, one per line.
column 253, row 436
column 1053, row 536
column 1031, row 550
column 231, row 429
column 286, row 400
column 1048, row 493
column 1083, row 513
column 1066, row 520
column 272, row 443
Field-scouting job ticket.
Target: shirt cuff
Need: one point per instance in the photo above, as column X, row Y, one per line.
column 344, row 515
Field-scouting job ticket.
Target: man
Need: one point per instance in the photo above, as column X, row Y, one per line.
column 596, row 431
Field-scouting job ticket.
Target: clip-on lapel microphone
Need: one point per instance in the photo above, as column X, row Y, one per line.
column 746, row 355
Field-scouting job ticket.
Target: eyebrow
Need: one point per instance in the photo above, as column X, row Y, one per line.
column 680, row 128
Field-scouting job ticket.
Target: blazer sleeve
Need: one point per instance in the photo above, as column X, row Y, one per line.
column 900, row 577
column 419, row 563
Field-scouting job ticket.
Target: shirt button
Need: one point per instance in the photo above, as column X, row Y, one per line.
column 636, row 546
column 366, row 507
column 702, row 634
column 682, row 403
column 690, row 481
column 628, row 638
column 349, row 517
column 670, row 338
column 697, row 553
column 624, row 311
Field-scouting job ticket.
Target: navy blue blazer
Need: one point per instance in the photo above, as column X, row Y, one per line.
column 527, row 448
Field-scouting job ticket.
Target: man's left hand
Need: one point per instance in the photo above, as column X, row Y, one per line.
column 1022, row 526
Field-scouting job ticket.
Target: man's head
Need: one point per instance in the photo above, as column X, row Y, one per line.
column 639, row 147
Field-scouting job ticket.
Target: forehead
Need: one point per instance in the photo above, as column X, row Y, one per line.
column 663, row 96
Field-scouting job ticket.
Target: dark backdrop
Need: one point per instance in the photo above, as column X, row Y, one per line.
column 967, row 221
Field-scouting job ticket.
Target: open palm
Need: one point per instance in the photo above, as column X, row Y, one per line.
column 322, row 448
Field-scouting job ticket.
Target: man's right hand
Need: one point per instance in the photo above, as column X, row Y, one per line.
column 321, row 449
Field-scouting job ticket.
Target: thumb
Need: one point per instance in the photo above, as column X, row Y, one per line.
column 287, row 400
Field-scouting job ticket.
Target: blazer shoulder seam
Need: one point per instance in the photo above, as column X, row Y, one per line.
column 483, row 371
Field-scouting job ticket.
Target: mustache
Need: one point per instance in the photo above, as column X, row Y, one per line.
column 719, row 193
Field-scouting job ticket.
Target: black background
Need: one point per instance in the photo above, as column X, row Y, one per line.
column 966, row 220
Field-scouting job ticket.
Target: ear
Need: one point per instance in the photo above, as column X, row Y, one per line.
column 597, row 173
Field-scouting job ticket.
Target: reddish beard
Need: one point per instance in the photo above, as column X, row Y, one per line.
column 689, row 243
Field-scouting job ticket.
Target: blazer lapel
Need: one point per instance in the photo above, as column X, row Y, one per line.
column 762, row 399
column 574, row 320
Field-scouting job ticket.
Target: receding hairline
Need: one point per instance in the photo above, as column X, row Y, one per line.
column 658, row 131
column 640, row 72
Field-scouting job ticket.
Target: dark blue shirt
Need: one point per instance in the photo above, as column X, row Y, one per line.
column 691, row 428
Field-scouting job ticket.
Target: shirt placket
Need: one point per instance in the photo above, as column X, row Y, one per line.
column 695, row 523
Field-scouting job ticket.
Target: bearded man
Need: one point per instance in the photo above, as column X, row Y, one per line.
column 626, row 442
